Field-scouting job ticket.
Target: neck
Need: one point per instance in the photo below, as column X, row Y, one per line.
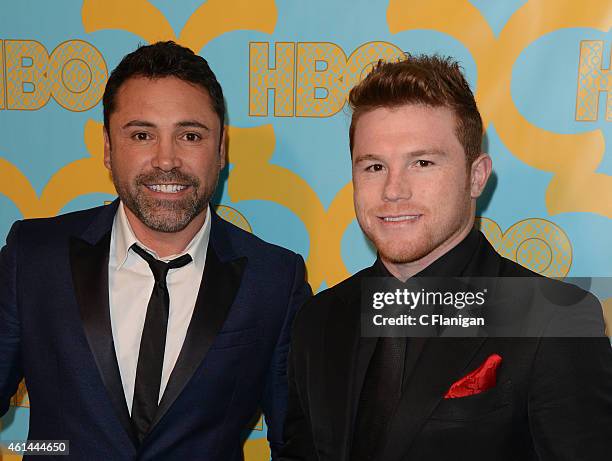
column 403, row 271
column 165, row 243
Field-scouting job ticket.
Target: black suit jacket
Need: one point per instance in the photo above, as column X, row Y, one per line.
column 55, row 331
column 552, row 400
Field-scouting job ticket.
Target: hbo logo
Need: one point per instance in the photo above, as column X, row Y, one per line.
column 74, row 75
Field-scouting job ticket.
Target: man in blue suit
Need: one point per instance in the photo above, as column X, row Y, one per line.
column 150, row 328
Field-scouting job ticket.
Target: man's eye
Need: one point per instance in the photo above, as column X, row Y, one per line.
column 192, row 137
column 141, row 136
column 374, row 167
column 424, row 163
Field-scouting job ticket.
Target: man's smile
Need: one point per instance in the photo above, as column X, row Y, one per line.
column 399, row 218
column 167, row 188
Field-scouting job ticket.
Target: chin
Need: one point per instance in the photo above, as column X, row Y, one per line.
column 166, row 226
column 402, row 252
column 402, row 257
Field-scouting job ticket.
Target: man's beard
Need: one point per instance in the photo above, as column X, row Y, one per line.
column 404, row 254
column 159, row 214
column 425, row 239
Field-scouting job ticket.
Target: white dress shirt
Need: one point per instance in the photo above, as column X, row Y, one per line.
column 131, row 281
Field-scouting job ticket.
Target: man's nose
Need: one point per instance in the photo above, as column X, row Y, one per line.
column 166, row 156
column 397, row 187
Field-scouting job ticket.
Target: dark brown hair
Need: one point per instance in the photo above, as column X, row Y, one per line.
column 164, row 59
column 428, row 80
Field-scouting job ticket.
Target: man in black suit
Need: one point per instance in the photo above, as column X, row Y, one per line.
column 150, row 328
column 418, row 169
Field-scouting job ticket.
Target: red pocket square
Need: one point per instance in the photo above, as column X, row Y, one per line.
column 479, row 380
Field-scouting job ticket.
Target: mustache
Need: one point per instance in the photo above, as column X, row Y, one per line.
column 167, row 177
column 399, row 211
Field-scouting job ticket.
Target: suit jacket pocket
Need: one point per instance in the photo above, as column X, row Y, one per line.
column 475, row 406
column 234, row 338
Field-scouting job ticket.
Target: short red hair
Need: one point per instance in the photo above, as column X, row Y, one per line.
column 428, row 80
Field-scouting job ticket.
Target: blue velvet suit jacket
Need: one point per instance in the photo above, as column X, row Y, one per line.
column 55, row 331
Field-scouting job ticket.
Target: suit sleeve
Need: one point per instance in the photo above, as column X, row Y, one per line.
column 274, row 401
column 570, row 392
column 10, row 357
column 299, row 443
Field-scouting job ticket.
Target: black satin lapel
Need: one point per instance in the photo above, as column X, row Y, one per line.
column 89, row 266
column 442, row 362
column 484, row 262
column 220, row 283
column 342, row 353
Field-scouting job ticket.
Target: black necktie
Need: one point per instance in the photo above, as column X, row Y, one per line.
column 380, row 394
column 152, row 343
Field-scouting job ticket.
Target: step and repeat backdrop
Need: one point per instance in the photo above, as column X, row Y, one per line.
column 540, row 70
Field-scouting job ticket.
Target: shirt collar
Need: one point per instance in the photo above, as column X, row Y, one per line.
column 124, row 238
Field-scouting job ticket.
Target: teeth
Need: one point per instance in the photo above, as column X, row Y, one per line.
column 400, row 218
column 167, row 188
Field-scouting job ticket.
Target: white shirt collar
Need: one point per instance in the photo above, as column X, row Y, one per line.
column 124, row 238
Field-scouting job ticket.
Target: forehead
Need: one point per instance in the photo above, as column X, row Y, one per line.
column 406, row 128
column 162, row 97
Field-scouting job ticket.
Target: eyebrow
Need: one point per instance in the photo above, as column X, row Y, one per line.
column 429, row 152
column 192, row 124
column 181, row 124
column 140, row 123
column 363, row 158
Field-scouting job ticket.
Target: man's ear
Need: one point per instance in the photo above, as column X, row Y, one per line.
column 222, row 149
column 107, row 148
column 479, row 174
